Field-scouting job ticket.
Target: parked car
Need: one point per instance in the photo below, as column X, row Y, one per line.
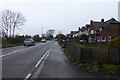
column 43, row 40
column 29, row 42
column 55, row 39
column 83, row 41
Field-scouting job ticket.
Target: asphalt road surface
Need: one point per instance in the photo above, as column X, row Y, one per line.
column 18, row 62
column 44, row 60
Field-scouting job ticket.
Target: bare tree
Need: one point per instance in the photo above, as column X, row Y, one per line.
column 5, row 21
column 50, row 33
column 18, row 20
column 9, row 21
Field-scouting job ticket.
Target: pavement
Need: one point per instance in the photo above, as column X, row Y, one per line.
column 57, row 65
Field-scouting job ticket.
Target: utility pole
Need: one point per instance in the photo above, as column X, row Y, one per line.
column 119, row 11
column 42, row 31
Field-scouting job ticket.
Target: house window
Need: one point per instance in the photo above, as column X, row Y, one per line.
column 92, row 31
column 109, row 38
column 103, row 39
column 98, row 40
column 100, row 29
column 97, row 31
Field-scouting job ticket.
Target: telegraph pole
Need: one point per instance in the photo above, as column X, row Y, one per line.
column 42, row 31
column 119, row 11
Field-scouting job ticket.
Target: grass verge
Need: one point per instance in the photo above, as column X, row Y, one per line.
column 110, row 70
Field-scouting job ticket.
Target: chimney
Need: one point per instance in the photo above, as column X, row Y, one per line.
column 91, row 21
column 102, row 20
column 79, row 29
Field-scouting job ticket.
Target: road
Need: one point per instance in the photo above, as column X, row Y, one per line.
column 57, row 65
column 44, row 60
column 18, row 62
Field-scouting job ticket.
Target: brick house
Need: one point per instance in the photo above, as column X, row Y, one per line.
column 74, row 33
column 94, row 29
column 111, row 31
column 84, row 30
column 103, row 31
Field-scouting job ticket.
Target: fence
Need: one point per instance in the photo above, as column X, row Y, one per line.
column 99, row 55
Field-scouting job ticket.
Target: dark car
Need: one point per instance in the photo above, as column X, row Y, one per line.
column 29, row 42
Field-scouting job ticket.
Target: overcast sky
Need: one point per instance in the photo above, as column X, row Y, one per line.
column 61, row 15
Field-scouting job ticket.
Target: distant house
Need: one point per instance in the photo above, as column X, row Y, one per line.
column 74, row 33
column 84, row 30
column 103, row 31
column 73, row 36
column 95, row 28
column 98, row 31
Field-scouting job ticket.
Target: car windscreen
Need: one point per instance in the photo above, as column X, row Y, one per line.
column 28, row 39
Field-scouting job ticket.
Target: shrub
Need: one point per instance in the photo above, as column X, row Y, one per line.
column 84, row 37
column 114, row 43
column 109, row 68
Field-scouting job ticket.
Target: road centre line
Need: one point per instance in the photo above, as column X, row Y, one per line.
column 48, row 54
column 42, row 58
column 28, row 76
column 39, row 62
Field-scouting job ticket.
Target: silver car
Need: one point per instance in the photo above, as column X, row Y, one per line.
column 83, row 41
column 43, row 40
column 29, row 42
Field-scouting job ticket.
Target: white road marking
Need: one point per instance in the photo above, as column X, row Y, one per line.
column 41, row 59
column 39, row 62
column 12, row 52
column 15, row 52
column 48, row 53
column 7, row 54
column 19, row 51
column 28, row 76
column 39, row 69
column 2, row 55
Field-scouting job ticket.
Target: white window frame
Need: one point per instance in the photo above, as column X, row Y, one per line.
column 109, row 38
column 95, row 31
column 103, row 40
column 92, row 31
column 100, row 29
column 98, row 40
